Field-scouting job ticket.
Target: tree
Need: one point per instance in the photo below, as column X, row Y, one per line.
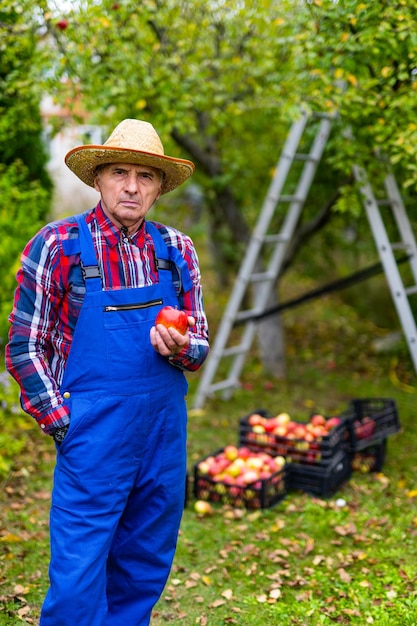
column 24, row 184
column 224, row 78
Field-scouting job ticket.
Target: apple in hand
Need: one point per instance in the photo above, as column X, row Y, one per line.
column 170, row 317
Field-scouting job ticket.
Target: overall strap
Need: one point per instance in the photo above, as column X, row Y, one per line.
column 89, row 266
column 162, row 260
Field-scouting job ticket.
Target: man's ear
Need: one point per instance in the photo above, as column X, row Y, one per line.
column 96, row 185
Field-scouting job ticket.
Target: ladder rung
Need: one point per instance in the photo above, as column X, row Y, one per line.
column 261, row 277
column 290, row 199
column 223, row 384
column 399, row 245
column 305, row 157
column 411, row 290
column 234, row 350
column 276, row 238
column 244, row 315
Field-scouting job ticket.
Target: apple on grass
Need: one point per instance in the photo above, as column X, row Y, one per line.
column 202, row 507
column 170, row 317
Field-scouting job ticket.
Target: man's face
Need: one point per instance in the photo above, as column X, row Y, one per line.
column 127, row 192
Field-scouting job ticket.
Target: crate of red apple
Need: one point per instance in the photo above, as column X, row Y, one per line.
column 312, row 442
column 370, row 421
column 240, row 476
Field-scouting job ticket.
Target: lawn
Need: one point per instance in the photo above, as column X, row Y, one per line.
column 347, row 559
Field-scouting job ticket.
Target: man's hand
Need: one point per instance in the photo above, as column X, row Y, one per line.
column 168, row 341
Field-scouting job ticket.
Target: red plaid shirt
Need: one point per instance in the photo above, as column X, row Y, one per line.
column 47, row 304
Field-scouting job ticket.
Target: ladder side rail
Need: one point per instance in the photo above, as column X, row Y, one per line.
column 267, row 211
column 239, row 361
column 403, row 223
column 293, row 214
column 388, row 261
column 295, row 209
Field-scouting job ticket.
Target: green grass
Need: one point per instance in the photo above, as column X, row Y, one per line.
column 307, row 561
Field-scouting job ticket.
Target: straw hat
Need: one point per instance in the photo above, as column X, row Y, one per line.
column 132, row 141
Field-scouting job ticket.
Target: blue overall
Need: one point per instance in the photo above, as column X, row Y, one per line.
column 120, row 474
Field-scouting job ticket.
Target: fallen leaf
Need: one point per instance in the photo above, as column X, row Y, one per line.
column 11, row 538
column 261, row 598
column 228, row 594
column 344, row 576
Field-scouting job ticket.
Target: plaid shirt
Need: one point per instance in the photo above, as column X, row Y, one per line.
column 48, row 301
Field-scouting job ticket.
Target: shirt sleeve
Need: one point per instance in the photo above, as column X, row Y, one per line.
column 193, row 356
column 35, row 309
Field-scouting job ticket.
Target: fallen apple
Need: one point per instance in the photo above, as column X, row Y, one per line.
column 170, row 317
column 202, row 507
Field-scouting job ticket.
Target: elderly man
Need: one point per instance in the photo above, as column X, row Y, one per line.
column 106, row 383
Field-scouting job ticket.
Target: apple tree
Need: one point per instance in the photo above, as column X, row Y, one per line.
column 223, row 79
column 24, row 183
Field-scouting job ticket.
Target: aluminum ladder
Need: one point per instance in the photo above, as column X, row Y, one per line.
column 376, row 209
column 265, row 281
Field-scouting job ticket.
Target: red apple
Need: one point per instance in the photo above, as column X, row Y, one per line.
column 170, row 317
column 244, row 453
column 231, row 452
column 332, row 422
column 255, row 419
column 318, row 420
column 62, row 24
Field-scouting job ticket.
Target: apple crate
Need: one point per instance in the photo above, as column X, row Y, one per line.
column 370, row 420
column 260, row 494
column 369, row 459
column 319, row 480
column 295, row 448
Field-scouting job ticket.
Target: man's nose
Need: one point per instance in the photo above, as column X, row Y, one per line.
column 131, row 183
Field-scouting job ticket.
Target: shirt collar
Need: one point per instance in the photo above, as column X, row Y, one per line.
column 113, row 234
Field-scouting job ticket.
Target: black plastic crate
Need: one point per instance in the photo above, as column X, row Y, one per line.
column 369, row 459
column 370, row 420
column 321, row 481
column 260, row 494
column 320, row 451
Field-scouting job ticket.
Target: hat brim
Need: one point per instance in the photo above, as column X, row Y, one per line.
column 84, row 160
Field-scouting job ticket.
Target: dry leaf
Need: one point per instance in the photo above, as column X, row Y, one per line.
column 228, row 594
column 262, row 598
column 217, row 603
column 344, row 576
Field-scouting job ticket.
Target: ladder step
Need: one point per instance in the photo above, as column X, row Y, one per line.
column 261, row 277
column 305, row 157
column 411, row 290
column 290, row 198
column 223, row 384
column 245, row 315
column 399, row 245
column 278, row 238
column 235, row 350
